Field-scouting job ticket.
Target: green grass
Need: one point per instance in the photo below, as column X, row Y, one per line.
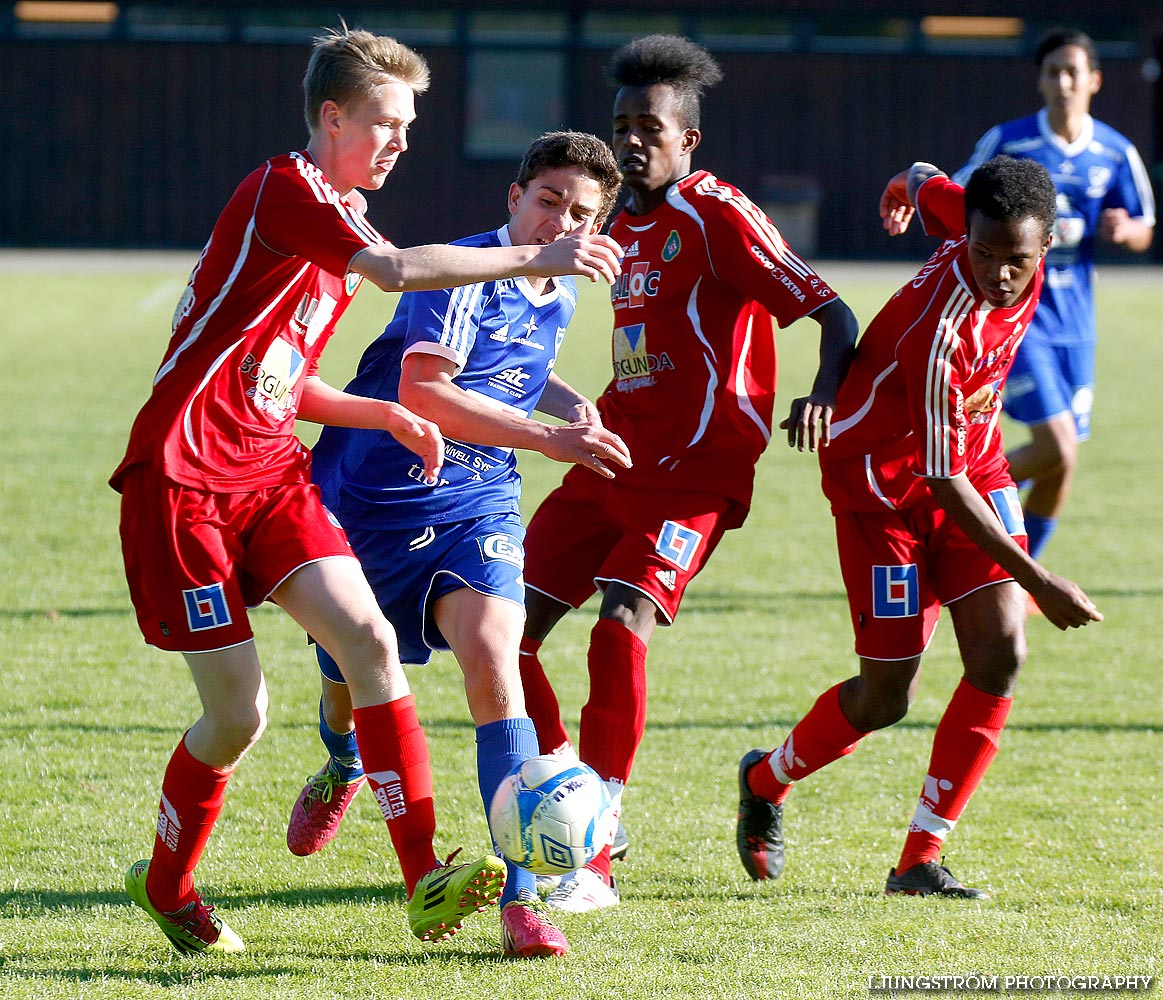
column 1065, row 831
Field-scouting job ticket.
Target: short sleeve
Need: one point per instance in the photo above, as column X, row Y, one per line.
column 299, row 214
column 445, row 321
column 748, row 252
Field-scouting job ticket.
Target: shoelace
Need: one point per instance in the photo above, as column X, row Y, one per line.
column 199, row 921
column 322, row 785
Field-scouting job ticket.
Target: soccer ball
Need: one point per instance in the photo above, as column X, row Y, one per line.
column 552, row 815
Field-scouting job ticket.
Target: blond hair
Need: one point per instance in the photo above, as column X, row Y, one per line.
column 349, row 63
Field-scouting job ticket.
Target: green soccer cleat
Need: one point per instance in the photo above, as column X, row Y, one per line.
column 449, row 893
column 191, row 930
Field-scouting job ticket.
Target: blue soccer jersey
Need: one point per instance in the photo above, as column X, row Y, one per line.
column 503, row 339
column 1101, row 169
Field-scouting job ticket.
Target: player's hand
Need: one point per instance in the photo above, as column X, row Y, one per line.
column 585, row 412
column 1114, row 225
column 418, row 435
column 586, row 444
column 809, row 423
column 1064, row 603
column 896, row 211
column 589, row 256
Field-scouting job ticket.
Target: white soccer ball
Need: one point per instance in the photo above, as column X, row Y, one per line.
column 552, row 815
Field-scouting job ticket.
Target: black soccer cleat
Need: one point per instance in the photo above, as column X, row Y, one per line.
column 759, row 827
column 929, row 879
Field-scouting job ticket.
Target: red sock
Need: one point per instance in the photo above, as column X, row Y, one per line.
column 613, row 720
column 192, row 794
column 540, row 701
column 820, row 737
column 395, row 759
column 963, row 748
column 602, row 864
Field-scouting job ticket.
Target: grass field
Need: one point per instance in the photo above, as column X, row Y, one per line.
column 1066, row 831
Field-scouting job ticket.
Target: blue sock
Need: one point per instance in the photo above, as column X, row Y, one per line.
column 501, row 747
column 343, row 749
column 1039, row 529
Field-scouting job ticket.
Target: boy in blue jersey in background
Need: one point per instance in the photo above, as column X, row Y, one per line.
column 1103, row 192
column 445, row 556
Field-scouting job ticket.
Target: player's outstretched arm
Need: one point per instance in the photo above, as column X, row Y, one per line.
column 425, row 268
column 1062, row 602
column 426, row 386
column 809, row 421
column 324, row 404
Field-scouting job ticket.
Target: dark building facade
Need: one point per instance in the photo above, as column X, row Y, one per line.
column 135, row 130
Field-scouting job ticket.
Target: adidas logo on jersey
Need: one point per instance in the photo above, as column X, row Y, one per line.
column 631, row 250
column 667, row 577
column 502, row 334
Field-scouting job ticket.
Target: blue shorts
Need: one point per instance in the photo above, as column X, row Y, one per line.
column 410, row 570
column 1047, row 380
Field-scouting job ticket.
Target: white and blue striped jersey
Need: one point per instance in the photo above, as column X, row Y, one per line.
column 503, row 339
column 1101, row 169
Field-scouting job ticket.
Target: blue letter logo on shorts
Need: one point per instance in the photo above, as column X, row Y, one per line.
column 894, row 591
column 678, row 544
column 503, row 547
column 206, row 607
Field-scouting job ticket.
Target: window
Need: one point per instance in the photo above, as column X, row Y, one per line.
column 513, row 96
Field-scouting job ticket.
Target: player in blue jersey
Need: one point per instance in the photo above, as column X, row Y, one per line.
column 1103, row 192
column 445, row 556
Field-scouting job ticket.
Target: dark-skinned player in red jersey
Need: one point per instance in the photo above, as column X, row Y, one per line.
column 927, row 513
column 705, row 273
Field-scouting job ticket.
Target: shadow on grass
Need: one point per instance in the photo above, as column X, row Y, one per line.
column 180, row 971
column 30, row 901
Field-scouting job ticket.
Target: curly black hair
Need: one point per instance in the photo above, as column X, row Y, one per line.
column 1007, row 190
column 681, row 64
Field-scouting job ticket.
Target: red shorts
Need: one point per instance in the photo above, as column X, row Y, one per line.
column 900, row 566
column 195, row 561
column 590, row 532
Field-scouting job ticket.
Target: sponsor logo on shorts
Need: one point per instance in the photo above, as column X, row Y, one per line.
column 502, row 547
column 422, row 540
column 678, row 544
column 206, row 607
column 895, row 591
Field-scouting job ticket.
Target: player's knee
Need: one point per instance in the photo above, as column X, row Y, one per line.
column 995, row 665
column 873, row 704
column 367, row 650
column 238, row 730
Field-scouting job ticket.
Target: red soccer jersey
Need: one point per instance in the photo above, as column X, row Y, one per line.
column 922, row 395
column 694, row 349
column 261, row 303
